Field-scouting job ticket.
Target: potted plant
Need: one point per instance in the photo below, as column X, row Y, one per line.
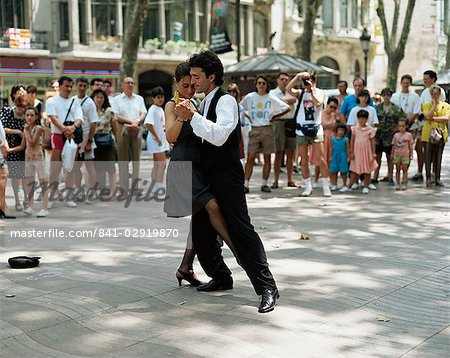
column 152, row 45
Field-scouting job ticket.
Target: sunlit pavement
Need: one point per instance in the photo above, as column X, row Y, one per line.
column 372, row 281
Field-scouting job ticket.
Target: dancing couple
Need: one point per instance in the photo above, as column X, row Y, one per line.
column 208, row 137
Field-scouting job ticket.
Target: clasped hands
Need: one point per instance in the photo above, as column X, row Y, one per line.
column 185, row 110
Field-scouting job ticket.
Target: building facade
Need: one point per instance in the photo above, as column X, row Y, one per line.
column 43, row 39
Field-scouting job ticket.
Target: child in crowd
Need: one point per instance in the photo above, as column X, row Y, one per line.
column 339, row 157
column 402, row 153
column 156, row 139
column 362, row 150
column 34, row 162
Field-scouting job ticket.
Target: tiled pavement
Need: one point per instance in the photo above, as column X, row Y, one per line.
column 370, row 257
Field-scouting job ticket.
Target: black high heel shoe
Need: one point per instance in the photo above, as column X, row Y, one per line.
column 4, row 216
column 189, row 277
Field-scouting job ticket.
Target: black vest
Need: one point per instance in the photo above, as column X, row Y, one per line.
column 213, row 156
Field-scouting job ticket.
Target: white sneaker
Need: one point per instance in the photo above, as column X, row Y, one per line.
column 333, row 187
column 354, row 186
column 372, row 187
column 70, row 204
column 398, row 187
column 403, row 187
column 90, row 201
column 29, row 211
column 42, row 213
column 365, row 190
column 326, row 191
column 308, row 191
column 315, row 185
column 344, row 189
column 51, row 204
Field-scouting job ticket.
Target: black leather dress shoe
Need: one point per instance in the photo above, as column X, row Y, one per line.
column 268, row 300
column 216, row 285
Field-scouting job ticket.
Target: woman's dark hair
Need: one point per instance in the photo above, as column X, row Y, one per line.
column 265, row 79
column 362, row 93
column 105, row 96
column 157, row 91
column 182, row 70
column 332, row 99
column 209, row 63
column 14, row 89
column 34, row 109
column 343, row 126
column 362, row 113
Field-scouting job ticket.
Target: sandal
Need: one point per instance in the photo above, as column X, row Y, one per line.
column 19, row 207
column 292, row 184
column 274, row 186
column 429, row 183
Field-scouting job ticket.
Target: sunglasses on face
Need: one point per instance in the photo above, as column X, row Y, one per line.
column 333, row 107
column 261, row 83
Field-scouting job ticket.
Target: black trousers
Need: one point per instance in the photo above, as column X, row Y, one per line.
column 227, row 185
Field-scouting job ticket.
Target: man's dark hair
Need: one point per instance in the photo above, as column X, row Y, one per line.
column 82, row 79
column 362, row 113
column 209, row 63
column 344, row 82
column 432, row 74
column 264, row 79
column 282, row 74
column 157, row 91
column 64, row 78
column 362, row 93
column 108, row 82
column 105, row 96
column 96, row 80
column 31, row 89
column 360, row 79
column 181, row 71
column 406, row 77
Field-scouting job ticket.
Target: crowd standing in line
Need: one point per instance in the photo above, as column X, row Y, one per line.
column 346, row 134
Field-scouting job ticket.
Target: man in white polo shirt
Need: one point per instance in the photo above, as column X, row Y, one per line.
column 60, row 109
column 130, row 111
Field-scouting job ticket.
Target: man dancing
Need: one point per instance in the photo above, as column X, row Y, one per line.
column 218, row 126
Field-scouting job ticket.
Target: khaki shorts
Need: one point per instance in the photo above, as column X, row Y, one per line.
column 261, row 140
column 309, row 140
column 34, row 167
column 281, row 141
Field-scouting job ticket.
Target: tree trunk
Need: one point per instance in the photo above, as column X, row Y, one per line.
column 394, row 51
column 304, row 43
column 447, row 57
column 392, row 71
column 136, row 14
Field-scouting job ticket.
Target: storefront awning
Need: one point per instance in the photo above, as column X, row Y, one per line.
column 91, row 69
column 25, row 67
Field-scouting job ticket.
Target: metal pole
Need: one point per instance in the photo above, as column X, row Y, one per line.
column 238, row 29
column 365, row 67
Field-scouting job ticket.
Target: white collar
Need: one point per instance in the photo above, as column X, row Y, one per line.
column 211, row 94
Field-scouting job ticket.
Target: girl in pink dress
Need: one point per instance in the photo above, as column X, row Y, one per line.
column 362, row 150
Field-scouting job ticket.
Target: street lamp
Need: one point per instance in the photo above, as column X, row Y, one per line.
column 365, row 43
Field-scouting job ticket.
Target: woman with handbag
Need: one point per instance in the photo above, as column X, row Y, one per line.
column 105, row 153
column 435, row 133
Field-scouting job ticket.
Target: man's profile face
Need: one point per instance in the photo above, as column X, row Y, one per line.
column 65, row 88
column 199, row 80
column 342, row 88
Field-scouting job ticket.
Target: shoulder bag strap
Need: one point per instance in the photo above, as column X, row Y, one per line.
column 68, row 111
column 299, row 103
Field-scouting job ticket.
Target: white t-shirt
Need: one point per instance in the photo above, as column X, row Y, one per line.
column 89, row 112
column 353, row 119
column 155, row 117
column 409, row 102
column 262, row 108
column 59, row 106
column 425, row 97
column 278, row 94
column 309, row 113
column 2, row 139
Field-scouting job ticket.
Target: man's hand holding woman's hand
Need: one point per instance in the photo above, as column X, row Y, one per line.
column 185, row 109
